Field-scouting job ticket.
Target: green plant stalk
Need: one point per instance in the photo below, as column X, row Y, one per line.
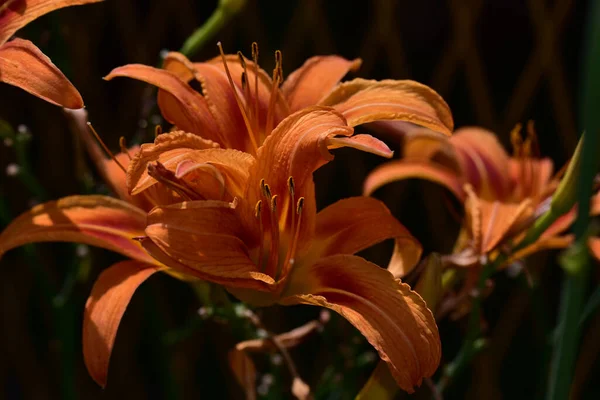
column 576, row 283
column 207, row 31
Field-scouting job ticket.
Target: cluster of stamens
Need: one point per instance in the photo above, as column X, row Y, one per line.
column 249, row 104
column 525, row 150
column 272, row 266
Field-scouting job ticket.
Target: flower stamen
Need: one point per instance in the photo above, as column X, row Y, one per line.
column 123, row 145
column 168, row 178
column 255, row 98
column 277, row 79
column 108, row 152
column 238, row 100
column 258, row 216
column 272, row 265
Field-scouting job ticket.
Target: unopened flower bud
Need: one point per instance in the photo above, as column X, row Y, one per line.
column 565, row 196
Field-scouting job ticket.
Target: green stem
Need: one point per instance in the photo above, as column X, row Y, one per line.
column 576, row 283
column 207, row 31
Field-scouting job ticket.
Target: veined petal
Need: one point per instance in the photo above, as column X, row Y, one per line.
column 23, row 65
column 315, row 79
column 401, row 169
column 393, row 318
column 532, row 177
column 179, row 103
column 296, row 147
column 484, row 162
column 354, row 224
column 232, row 165
column 104, row 309
column 151, row 152
column 366, row 143
column 15, row 14
column 362, row 101
column 203, row 239
column 95, row 220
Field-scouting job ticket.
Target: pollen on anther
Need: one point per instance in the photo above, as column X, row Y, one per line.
column 258, row 209
column 273, row 202
column 300, row 205
column 291, row 185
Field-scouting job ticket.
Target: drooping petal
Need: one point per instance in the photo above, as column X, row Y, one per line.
column 484, row 162
column 151, row 152
column 23, row 65
column 354, row 224
column 310, row 83
column 104, row 309
column 15, row 14
column 231, row 165
column 244, row 371
column 179, row 103
column 204, row 239
column 362, row 101
column 490, row 221
column 399, row 170
column 95, row 220
column 393, row 318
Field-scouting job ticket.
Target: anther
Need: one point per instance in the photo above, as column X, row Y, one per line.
column 274, row 203
column 166, row 177
column 300, row 205
column 123, row 145
column 242, row 59
column 157, row 131
column 110, row 154
column 291, row 186
column 258, row 209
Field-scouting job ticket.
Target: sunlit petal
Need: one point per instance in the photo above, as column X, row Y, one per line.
column 23, row 65
column 357, row 223
column 362, row 101
column 315, row 79
column 393, row 318
column 95, row 220
column 104, row 309
column 15, row 14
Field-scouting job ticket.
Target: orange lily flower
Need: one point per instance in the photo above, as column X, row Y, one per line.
column 22, row 64
column 248, row 220
column 502, row 194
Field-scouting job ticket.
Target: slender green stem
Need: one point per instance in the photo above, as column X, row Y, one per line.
column 206, row 32
column 576, row 283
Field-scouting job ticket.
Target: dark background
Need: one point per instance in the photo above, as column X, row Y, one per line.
column 496, row 62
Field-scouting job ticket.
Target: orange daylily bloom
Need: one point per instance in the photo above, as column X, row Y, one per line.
column 265, row 242
column 240, row 104
column 22, row 64
column 502, row 194
column 195, row 206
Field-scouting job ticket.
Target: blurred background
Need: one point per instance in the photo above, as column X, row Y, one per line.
column 496, row 62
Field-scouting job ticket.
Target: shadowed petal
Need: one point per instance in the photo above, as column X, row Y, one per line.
column 25, row 66
column 244, row 371
column 357, row 223
column 104, row 309
column 362, row 101
column 315, row 79
column 95, row 220
column 179, row 103
column 594, row 245
column 150, row 152
column 484, row 162
column 393, row 318
column 399, row 170
column 206, row 240
column 15, row 14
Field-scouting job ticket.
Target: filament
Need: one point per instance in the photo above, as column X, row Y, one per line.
column 110, row 154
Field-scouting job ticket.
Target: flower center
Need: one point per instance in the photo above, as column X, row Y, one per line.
column 272, row 227
column 525, row 150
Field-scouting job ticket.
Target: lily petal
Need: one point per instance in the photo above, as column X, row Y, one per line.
column 219, row 95
column 594, row 245
column 203, row 239
column 401, row 169
column 315, row 79
column 484, row 162
column 104, row 309
column 15, row 14
column 393, row 318
column 151, row 152
column 422, row 144
column 354, row 224
column 23, row 65
column 179, row 103
column 233, row 166
column 95, row 220
column 362, row 101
